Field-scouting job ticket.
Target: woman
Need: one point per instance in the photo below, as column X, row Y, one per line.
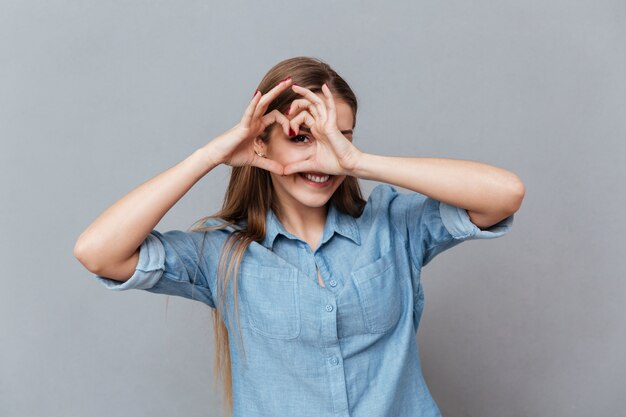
column 325, row 287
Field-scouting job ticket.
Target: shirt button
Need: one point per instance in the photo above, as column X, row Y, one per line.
column 329, row 307
column 334, row 361
column 332, row 283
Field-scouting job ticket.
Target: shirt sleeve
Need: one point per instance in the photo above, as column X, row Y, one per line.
column 432, row 226
column 170, row 263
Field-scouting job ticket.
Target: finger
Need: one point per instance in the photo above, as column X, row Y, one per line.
column 268, row 165
column 268, row 97
column 332, row 109
column 304, row 117
column 276, row 117
column 299, row 104
column 303, row 104
column 300, row 166
column 247, row 116
column 311, row 96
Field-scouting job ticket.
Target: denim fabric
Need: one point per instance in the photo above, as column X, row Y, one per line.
column 346, row 349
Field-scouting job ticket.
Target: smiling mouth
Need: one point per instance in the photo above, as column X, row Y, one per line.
column 316, row 177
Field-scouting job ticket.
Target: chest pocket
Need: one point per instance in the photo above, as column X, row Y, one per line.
column 379, row 293
column 269, row 296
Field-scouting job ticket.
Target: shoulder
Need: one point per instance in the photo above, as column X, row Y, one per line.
column 209, row 229
column 208, row 224
column 381, row 195
column 385, row 196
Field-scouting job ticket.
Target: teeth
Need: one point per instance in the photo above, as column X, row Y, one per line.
column 315, row 178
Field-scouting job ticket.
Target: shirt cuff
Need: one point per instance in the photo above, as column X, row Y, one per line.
column 456, row 220
column 149, row 268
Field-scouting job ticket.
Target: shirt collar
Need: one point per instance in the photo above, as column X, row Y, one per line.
column 336, row 221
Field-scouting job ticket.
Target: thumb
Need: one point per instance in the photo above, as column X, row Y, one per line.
column 300, row 166
column 269, row 165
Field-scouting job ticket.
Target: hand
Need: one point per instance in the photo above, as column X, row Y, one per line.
column 334, row 153
column 235, row 147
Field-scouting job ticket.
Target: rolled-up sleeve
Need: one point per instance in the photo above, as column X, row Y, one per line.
column 457, row 222
column 444, row 226
column 431, row 226
column 149, row 268
column 170, row 263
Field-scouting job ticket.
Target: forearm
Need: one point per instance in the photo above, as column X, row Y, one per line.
column 116, row 234
column 475, row 186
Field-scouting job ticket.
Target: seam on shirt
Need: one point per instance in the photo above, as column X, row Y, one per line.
column 407, row 244
column 418, row 262
column 415, row 292
column 413, row 256
column 198, row 270
column 405, row 241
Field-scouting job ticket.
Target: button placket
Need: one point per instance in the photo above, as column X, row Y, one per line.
column 307, row 260
column 325, row 272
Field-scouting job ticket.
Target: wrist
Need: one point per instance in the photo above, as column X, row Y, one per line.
column 359, row 165
column 208, row 157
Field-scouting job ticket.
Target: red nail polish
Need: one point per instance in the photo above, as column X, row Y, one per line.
column 287, row 112
column 291, row 132
column 255, row 91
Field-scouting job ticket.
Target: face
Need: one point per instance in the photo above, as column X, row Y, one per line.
column 296, row 190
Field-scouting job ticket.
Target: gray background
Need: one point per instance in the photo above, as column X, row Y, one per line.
column 98, row 97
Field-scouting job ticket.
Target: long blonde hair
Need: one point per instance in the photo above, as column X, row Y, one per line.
column 250, row 195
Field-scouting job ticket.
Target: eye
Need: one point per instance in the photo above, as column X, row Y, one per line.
column 299, row 138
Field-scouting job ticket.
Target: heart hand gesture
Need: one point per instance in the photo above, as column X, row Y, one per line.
column 334, row 153
column 235, row 147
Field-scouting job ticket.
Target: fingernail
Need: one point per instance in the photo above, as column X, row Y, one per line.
column 287, row 112
column 255, row 91
column 296, row 84
column 284, row 79
column 291, row 132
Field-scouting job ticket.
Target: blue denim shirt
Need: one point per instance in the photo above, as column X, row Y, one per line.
column 346, row 349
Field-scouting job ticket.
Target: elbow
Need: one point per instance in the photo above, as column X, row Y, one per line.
column 509, row 201
column 81, row 253
column 517, row 191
